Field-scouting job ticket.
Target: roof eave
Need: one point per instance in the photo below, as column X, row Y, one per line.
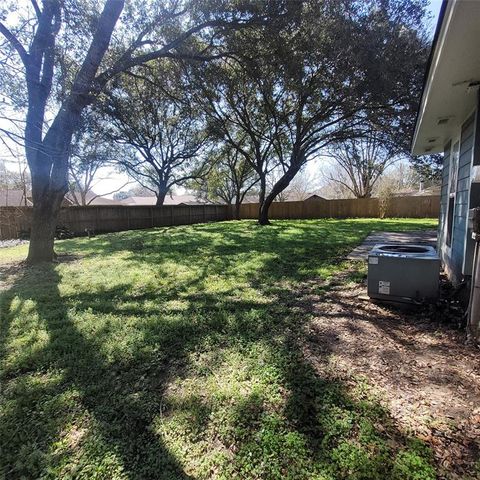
column 429, row 71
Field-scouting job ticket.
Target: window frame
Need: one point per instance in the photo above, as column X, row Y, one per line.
column 452, row 190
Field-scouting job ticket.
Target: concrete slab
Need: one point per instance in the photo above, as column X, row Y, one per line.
column 419, row 237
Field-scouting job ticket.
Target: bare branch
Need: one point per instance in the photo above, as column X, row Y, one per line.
column 108, row 193
column 15, row 43
column 36, row 8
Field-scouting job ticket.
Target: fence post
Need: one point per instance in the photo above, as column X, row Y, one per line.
column 151, row 217
column 96, row 220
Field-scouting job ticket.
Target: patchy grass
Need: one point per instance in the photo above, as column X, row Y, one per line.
column 172, row 353
column 13, row 254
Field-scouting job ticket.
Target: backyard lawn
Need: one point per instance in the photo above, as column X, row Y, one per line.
column 176, row 353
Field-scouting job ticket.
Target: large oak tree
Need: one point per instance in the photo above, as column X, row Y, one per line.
column 152, row 113
column 331, row 69
column 69, row 51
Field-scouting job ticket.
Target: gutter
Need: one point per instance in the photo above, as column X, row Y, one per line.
column 441, row 17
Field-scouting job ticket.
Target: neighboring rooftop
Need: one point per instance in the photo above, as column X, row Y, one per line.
column 13, row 198
column 288, row 196
column 91, row 198
column 169, row 200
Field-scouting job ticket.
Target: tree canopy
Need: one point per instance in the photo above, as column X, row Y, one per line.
column 65, row 53
column 325, row 73
column 152, row 113
column 276, row 81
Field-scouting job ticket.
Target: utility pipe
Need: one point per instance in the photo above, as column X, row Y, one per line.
column 474, row 304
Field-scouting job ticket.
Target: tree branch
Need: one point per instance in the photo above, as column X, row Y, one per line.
column 109, row 193
column 36, row 8
column 15, row 43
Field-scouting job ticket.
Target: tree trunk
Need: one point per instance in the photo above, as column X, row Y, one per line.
column 161, row 194
column 263, row 188
column 263, row 212
column 48, row 157
column 262, row 218
column 42, row 234
column 238, row 203
column 279, row 187
column 49, row 170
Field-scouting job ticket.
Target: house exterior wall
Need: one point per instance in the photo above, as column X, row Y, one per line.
column 463, row 193
column 456, row 257
column 474, row 198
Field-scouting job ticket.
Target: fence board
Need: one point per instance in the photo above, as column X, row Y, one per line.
column 406, row 207
column 115, row 218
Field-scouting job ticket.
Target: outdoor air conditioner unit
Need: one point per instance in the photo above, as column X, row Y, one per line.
column 403, row 273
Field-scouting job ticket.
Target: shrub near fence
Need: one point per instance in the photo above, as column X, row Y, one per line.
column 115, row 218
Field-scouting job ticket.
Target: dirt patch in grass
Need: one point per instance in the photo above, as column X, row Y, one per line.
column 8, row 273
column 424, row 372
column 12, row 243
column 11, row 270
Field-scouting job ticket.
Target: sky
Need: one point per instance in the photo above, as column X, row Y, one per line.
column 435, row 10
column 109, row 180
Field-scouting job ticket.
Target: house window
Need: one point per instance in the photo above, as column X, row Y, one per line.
column 452, row 189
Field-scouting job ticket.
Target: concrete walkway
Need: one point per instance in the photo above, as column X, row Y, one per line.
column 419, row 237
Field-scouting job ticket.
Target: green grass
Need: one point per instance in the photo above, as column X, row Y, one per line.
column 13, row 254
column 173, row 354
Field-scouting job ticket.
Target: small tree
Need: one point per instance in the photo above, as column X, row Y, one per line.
column 91, row 151
column 136, row 191
column 229, row 179
column 429, row 168
column 362, row 161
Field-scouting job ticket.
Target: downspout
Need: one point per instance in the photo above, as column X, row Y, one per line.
column 474, row 304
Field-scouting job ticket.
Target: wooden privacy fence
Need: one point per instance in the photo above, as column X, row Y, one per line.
column 115, row 218
column 408, row 207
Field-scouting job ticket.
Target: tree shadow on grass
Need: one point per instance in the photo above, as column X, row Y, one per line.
column 80, row 411
column 69, row 379
column 311, row 238
column 325, row 429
